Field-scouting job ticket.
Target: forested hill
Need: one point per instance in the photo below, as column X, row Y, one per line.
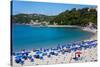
column 69, row 17
column 26, row 18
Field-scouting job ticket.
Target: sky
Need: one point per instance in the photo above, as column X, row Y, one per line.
column 43, row 8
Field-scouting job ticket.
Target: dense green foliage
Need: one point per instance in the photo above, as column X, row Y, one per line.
column 69, row 17
column 26, row 18
column 76, row 17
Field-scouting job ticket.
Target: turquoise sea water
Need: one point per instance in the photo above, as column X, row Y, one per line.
column 27, row 37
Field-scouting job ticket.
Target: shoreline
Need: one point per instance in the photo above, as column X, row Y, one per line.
column 49, row 25
column 94, row 36
column 80, row 27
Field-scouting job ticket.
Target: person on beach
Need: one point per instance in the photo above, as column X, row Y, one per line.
column 77, row 55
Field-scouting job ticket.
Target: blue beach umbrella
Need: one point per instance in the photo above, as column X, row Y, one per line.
column 56, row 52
column 37, row 54
column 41, row 49
column 26, row 53
column 84, row 46
column 22, row 53
column 32, row 60
column 91, row 42
column 67, row 46
column 73, row 49
column 48, row 53
column 41, row 56
column 44, row 53
column 94, row 45
column 25, row 57
column 77, row 46
column 18, row 59
column 29, row 57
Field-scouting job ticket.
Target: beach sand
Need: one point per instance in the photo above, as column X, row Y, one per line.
column 88, row 55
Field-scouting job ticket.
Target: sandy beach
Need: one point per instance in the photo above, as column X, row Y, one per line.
column 88, row 55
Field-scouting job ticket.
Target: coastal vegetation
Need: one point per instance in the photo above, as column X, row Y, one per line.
column 74, row 16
